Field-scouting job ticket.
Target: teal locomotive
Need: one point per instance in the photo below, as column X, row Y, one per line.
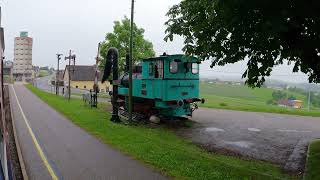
column 165, row 86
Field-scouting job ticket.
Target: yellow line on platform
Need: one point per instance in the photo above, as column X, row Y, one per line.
column 35, row 141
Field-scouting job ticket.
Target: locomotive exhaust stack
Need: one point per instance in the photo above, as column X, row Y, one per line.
column 112, row 65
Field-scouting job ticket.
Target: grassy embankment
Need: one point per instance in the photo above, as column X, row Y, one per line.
column 160, row 147
column 243, row 98
column 313, row 162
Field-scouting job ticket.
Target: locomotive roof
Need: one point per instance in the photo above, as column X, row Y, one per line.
column 168, row 57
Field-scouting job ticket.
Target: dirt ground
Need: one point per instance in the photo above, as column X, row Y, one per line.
column 280, row 139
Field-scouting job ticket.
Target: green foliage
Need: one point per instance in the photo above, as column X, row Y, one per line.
column 313, row 161
column 271, row 102
column 315, row 99
column 264, row 32
column 291, row 97
column 120, row 39
column 223, row 104
column 160, row 147
column 277, row 95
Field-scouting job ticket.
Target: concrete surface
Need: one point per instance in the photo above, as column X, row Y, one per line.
column 71, row 152
column 280, row 139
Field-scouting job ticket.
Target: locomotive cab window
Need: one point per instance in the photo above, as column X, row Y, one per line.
column 195, row 68
column 158, row 69
column 151, row 69
column 173, row 67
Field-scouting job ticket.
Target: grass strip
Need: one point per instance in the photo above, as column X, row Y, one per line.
column 160, row 148
column 313, row 162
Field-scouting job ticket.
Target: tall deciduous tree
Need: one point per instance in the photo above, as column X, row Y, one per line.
column 120, row 39
column 267, row 33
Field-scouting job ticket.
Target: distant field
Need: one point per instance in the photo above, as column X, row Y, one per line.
column 44, row 73
column 239, row 97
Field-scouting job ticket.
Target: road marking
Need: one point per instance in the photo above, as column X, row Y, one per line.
column 254, row 129
column 241, row 144
column 35, row 141
column 213, row 129
column 287, row 130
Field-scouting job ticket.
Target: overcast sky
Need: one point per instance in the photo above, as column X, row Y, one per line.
column 59, row 25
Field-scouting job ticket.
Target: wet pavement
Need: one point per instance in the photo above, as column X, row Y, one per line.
column 281, row 139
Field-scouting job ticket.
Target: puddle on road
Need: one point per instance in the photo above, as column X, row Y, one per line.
column 254, row 129
column 241, row 144
column 213, row 129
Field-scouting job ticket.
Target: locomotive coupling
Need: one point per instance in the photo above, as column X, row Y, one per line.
column 180, row 103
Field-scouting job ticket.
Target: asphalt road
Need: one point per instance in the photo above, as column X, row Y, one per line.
column 280, row 139
column 53, row 147
column 44, row 84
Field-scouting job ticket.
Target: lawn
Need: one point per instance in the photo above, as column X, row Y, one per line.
column 238, row 97
column 159, row 147
column 313, row 162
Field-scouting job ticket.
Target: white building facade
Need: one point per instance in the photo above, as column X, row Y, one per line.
column 22, row 63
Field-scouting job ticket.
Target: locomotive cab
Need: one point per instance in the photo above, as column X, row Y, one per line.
column 166, row 86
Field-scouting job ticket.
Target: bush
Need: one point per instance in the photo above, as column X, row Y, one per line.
column 271, row 102
column 223, row 104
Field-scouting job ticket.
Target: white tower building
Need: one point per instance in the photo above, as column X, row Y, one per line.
column 22, row 63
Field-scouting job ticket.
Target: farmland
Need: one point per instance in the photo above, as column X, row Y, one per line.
column 243, row 98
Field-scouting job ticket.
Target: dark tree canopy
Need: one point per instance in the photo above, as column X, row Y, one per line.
column 267, row 33
column 120, row 39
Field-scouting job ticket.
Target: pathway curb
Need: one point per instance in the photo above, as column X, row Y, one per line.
column 21, row 160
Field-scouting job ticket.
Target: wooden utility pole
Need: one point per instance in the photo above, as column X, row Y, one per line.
column 96, row 78
column 57, row 74
column 131, row 62
column 70, row 57
column 309, row 98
